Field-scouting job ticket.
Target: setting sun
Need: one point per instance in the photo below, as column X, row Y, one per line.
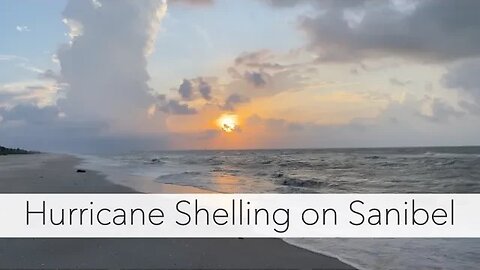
column 228, row 122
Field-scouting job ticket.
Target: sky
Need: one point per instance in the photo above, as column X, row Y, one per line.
column 92, row 76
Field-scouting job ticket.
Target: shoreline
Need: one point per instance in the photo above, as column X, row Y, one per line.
column 141, row 184
column 56, row 173
column 147, row 185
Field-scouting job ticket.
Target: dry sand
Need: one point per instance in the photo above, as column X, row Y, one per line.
column 48, row 173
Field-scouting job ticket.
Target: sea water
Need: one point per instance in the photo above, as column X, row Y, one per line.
column 385, row 170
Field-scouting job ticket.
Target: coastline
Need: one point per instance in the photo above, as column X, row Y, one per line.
column 55, row 173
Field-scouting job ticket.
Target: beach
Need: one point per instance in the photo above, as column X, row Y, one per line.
column 308, row 134
column 55, row 173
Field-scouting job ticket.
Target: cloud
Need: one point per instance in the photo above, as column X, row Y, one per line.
column 258, row 59
column 194, row 3
column 103, row 79
column 270, row 72
column 471, row 107
column 30, row 114
column 275, row 125
column 61, row 134
column 175, row 107
column 205, row 89
column 50, row 75
column 419, row 30
column 233, row 100
column 247, row 72
column 104, row 91
column 397, row 82
column 186, row 90
column 464, row 76
column 105, row 82
column 11, row 57
column 415, row 112
column 251, row 57
column 322, row 3
column 401, row 123
column 442, row 112
column 258, row 79
column 22, row 28
column 20, row 62
column 38, row 93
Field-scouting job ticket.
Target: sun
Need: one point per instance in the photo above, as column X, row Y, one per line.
column 228, row 122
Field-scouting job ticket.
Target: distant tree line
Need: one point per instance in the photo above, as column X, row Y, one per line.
column 13, row 151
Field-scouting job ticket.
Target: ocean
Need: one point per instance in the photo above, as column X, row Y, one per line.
column 366, row 170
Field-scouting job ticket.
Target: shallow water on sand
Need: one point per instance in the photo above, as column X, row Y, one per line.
column 388, row 170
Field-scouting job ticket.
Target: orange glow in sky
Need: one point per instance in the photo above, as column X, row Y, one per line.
column 228, row 122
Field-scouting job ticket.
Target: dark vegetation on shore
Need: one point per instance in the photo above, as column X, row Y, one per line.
column 14, row 151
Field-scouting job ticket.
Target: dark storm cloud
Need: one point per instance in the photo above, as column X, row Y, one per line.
column 426, row 30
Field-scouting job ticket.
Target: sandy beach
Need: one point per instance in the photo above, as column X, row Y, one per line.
column 48, row 173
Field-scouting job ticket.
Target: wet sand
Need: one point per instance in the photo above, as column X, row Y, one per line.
column 49, row 173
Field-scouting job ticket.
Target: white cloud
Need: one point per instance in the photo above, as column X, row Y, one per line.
column 109, row 82
column 11, row 57
column 38, row 93
column 22, row 28
column 101, row 95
